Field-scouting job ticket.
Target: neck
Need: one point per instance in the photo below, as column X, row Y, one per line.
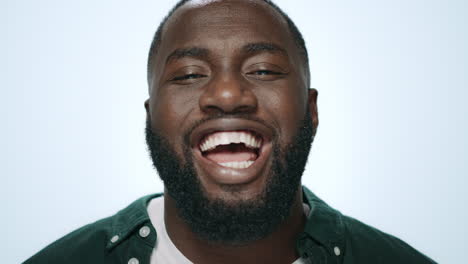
column 277, row 247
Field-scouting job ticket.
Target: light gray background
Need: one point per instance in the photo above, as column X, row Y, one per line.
column 391, row 148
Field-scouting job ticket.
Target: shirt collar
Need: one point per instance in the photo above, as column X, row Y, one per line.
column 324, row 227
column 127, row 220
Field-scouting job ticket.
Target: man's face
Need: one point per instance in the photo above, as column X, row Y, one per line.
column 228, row 98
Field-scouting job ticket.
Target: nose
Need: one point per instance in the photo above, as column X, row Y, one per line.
column 228, row 94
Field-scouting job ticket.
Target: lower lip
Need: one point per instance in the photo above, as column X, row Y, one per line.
column 231, row 176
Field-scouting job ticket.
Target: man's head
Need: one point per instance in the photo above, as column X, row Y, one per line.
column 295, row 34
column 230, row 116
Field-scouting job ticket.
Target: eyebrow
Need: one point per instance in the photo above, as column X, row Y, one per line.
column 194, row 52
column 200, row 53
column 263, row 47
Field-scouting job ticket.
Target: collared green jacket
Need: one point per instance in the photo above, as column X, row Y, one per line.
column 329, row 237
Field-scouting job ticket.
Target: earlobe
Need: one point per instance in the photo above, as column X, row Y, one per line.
column 313, row 94
column 147, row 107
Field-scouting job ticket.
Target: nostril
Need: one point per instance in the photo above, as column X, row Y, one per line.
column 244, row 109
column 227, row 101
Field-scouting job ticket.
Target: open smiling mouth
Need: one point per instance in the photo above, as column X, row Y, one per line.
column 232, row 151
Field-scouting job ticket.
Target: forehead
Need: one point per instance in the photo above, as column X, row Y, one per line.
column 219, row 24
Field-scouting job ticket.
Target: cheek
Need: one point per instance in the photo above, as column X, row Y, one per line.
column 169, row 115
column 287, row 108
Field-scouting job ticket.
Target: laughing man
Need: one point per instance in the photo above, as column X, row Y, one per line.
column 230, row 123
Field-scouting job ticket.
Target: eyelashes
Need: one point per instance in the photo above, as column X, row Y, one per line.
column 188, row 77
column 265, row 72
column 263, row 75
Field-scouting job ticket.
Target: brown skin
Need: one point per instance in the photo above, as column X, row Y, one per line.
column 271, row 86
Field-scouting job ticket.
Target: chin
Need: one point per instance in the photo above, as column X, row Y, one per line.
column 221, row 201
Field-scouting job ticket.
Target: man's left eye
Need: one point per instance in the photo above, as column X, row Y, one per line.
column 265, row 75
column 264, row 72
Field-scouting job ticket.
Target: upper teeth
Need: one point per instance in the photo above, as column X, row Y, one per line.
column 225, row 138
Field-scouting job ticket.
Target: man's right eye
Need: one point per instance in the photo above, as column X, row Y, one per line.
column 188, row 77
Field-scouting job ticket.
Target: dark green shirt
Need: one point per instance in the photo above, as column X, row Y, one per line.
column 328, row 237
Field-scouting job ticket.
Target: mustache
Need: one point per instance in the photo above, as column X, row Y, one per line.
column 226, row 116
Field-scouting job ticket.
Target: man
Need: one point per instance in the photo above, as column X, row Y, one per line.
column 230, row 122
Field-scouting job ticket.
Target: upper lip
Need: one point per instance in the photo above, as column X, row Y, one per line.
column 229, row 124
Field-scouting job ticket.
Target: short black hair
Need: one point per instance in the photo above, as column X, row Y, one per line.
column 299, row 40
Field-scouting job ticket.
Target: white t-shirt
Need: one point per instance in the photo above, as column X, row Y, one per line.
column 165, row 251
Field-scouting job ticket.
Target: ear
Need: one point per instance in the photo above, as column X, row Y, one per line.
column 147, row 107
column 313, row 94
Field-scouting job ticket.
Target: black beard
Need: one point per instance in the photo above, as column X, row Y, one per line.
column 240, row 222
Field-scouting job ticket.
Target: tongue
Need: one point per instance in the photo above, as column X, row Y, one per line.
column 229, row 153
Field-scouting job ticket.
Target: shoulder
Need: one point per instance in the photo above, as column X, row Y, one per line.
column 86, row 242
column 93, row 243
column 364, row 242
column 353, row 241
